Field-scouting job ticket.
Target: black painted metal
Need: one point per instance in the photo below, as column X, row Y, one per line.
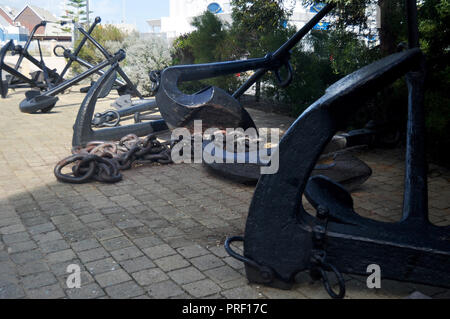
column 79, row 47
column 213, row 106
column 46, row 101
column 15, row 79
column 342, row 167
column 83, row 131
column 279, row 232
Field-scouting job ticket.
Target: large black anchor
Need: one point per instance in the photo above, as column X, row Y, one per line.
column 218, row 109
column 282, row 240
column 90, row 126
column 42, row 79
column 215, row 107
column 45, row 102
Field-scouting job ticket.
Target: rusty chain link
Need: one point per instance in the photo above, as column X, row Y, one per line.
column 103, row 161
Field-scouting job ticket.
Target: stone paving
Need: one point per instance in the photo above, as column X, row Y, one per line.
column 157, row 234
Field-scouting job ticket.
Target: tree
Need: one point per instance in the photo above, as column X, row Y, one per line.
column 205, row 40
column 102, row 34
column 144, row 54
column 260, row 25
column 76, row 11
column 434, row 19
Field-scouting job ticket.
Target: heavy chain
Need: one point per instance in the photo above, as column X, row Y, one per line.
column 319, row 265
column 103, row 161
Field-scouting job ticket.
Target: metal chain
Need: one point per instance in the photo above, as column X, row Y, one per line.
column 103, row 161
column 319, row 266
column 110, row 118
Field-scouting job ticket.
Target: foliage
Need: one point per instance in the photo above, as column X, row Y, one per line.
column 208, row 43
column 434, row 17
column 324, row 57
column 76, row 12
column 90, row 53
column 144, row 54
column 259, row 25
column 182, row 52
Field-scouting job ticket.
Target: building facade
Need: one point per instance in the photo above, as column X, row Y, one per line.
column 182, row 13
column 30, row 16
column 8, row 29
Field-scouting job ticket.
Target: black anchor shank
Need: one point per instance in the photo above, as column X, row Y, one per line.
column 279, row 230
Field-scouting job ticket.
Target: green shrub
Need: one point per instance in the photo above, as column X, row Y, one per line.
column 89, row 53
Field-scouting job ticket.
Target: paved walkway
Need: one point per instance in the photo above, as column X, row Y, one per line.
column 157, row 234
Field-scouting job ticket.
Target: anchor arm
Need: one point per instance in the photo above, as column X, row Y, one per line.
column 77, row 51
column 83, row 132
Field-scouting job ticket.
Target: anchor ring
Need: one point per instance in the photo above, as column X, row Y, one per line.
column 326, row 282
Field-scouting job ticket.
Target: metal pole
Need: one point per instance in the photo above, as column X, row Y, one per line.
column 415, row 208
column 87, row 12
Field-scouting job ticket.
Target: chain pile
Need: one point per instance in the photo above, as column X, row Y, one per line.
column 103, row 161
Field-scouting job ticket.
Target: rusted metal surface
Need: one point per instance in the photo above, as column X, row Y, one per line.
column 103, row 161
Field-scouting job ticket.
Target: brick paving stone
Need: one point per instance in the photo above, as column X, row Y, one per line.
column 90, row 218
column 7, row 267
column 49, row 292
column 125, row 291
column 234, row 263
column 164, row 290
column 129, row 224
column 108, row 234
column 246, row 292
column 168, row 232
column 117, row 243
column 159, row 251
column 192, row 251
column 60, row 256
column 137, row 232
column 46, row 237
column 25, row 257
column 32, row 268
column 64, row 219
column 102, row 266
column 219, row 251
column 126, row 253
column 13, row 229
column 223, row 274
column 21, row 247
column 93, row 254
column 11, row 291
column 186, row 275
column 172, row 263
column 38, row 280
column 202, row 288
column 137, row 264
column 272, row 293
column 42, row 228
column 207, row 262
column 15, row 238
column 149, row 276
column 86, row 244
column 91, row 291
column 112, row 278
column 54, row 246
